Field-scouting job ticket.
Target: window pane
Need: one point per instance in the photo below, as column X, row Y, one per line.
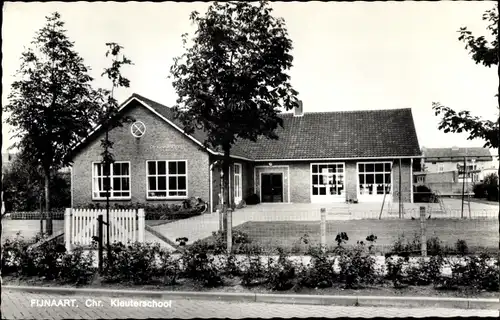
column 182, row 193
column 361, row 167
column 117, row 184
column 173, row 193
column 182, row 183
column 369, row 178
column 125, row 184
column 181, row 167
column 125, row 169
column 322, row 191
column 105, row 182
column 323, row 168
column 315, row 168
column 387, row 178
column 236, row 169
column 379, row 167
column 379, row 178
column 315, row 191
column 315, row 179
column 172, row 183
column 117, row 168
column 152, row 183
column 388, row 167
column 361, row 178
column 172, row 167
column 162, row 183
column 370, row 167
column 97, row 169
column 162, row 167
column 151, row 167
column 340, row 169
column 105, row 170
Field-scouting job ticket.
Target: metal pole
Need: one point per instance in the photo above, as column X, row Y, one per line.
column 463, row 186
column 99, row 243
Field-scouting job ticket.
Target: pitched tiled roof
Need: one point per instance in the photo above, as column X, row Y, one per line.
column 352, row 134
column 444, row 154
column 348, row 134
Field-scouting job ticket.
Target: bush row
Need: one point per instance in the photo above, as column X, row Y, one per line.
column 150, row 264
column 151, row 211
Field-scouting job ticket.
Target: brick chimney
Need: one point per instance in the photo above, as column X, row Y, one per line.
column 299, row 109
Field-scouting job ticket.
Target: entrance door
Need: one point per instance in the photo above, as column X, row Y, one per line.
column 272, row 187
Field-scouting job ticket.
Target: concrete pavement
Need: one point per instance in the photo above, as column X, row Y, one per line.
column 24, row 305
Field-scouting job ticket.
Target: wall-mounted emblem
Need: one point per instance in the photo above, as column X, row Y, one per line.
column 138, row 129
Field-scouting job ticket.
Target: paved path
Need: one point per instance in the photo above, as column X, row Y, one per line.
column 22, row 305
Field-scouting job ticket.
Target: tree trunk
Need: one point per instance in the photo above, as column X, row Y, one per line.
column 48, row 213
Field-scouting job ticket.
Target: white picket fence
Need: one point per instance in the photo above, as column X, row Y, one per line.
column 80, row 225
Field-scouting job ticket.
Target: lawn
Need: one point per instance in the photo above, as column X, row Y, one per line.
column 479, row 234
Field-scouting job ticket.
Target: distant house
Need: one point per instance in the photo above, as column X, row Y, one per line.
column 319, row 157
column 446, row 169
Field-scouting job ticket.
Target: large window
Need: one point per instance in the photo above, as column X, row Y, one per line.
column 328, row 179
column 374, row 178
column 166, row 179
column 118, row 181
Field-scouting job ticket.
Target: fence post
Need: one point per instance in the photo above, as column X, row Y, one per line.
column 229, row 227
column 423, row 237
column 141, row 225
column 221, row 220
column 323, row 229
column 67, row 229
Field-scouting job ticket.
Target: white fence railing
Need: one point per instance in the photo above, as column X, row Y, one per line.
column 80, row 225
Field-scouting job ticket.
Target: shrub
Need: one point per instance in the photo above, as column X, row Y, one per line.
column 199, row 266
column 47, row 258
column 394, row 266
column 424, row 194
column 252, row 199
column 405, row 247
column 168, row 269
column 475, row 273
column 357, row 267
column 134, row 262
column 16, row 258
column 253, row 271
column 319, row 273
column 425, row 271
column 281, row 274
column 77, row 267
column 434, row 246
column 461, row 247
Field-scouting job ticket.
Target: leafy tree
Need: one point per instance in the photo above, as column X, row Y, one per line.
column 22, row 186
column 110, row 118
column 52, row 103
column 232, row 80
column 483, row 52
column 487, row 53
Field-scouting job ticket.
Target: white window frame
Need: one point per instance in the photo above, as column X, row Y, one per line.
column 167, row 175
column 374, row 195
column 238, row 196
column 327, row 198
column 111, row 176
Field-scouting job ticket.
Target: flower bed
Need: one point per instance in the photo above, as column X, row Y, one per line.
column 348, row 269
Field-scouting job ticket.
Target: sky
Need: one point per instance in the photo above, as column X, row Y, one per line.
column 347, row 56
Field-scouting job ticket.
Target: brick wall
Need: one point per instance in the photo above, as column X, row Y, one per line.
column 160, row 142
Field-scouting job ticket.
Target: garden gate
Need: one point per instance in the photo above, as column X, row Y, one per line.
column 81, row 225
